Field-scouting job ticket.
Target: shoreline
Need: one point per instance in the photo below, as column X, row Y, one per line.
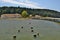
column 56, row 21
column 16, row 19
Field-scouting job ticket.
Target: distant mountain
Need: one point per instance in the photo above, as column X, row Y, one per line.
column 41, row 12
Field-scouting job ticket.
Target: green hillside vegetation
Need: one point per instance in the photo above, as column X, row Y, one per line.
column 19, row 10
column 24, row 14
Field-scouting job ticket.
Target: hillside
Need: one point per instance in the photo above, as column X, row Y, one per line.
column 41, row 12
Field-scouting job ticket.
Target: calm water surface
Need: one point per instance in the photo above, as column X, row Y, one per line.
column 48, row 30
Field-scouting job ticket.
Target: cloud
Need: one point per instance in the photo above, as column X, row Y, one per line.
column 25, row 3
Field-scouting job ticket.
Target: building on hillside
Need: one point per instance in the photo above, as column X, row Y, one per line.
column 30, row 16
column 37, row 16
column 11, row 16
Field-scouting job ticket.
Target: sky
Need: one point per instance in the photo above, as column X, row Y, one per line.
column 39, row 4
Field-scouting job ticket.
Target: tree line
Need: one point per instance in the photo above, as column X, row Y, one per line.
column 19, row 10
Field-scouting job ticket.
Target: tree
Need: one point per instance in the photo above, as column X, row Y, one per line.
column 24, row 14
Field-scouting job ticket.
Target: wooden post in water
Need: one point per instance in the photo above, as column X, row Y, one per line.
column 14, row 37
column 32, row 30
column 34, row 36
column 31, row 27
column 38, row 34
column 18, row 30
column 22, row 27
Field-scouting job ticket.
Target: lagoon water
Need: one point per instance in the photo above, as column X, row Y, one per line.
column 47, row 30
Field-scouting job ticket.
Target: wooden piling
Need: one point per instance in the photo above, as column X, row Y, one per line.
column 14, row 37
column 31, row 27
column 34, row 36
column 22, row 27
column 32, row 30
column 18, row 30
column 38, row 34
